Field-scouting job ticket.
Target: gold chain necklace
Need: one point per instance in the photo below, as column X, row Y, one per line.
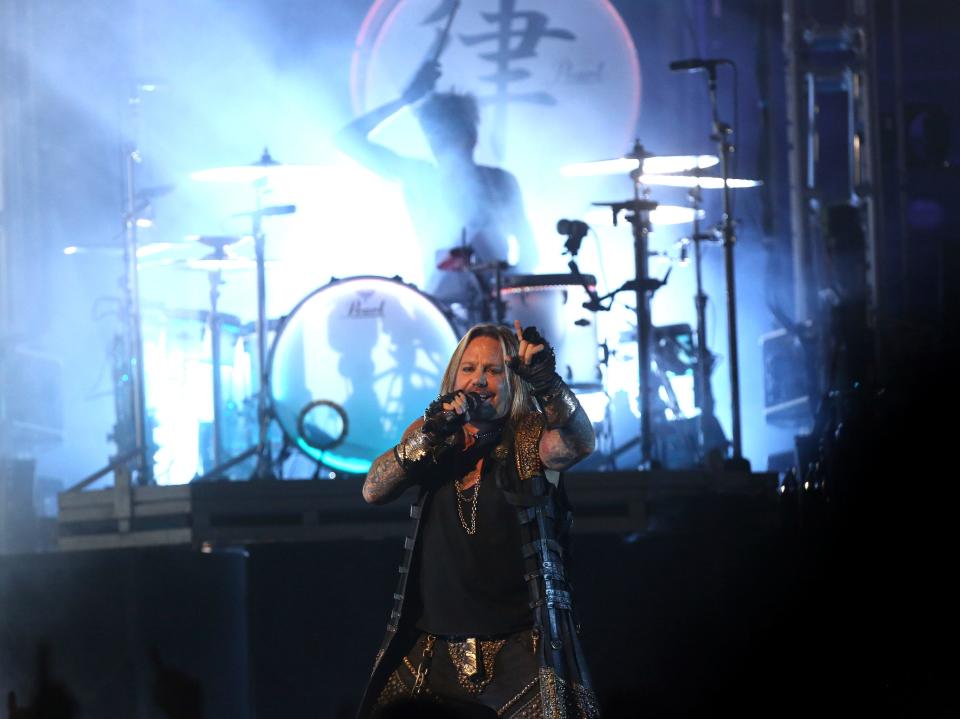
column 470, row 528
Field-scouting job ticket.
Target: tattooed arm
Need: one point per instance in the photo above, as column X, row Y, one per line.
column 386, row 479
column 563, row 446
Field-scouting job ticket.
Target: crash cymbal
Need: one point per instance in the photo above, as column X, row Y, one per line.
column 266, row 168
column 691, row 181
column 653, row 164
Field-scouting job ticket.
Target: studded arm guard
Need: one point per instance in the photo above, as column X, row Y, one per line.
column 422, row 447
column 417, row 452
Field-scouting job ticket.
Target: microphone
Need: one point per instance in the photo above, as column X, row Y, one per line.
column 447, row 421
column 575, row 230
column 695, row 64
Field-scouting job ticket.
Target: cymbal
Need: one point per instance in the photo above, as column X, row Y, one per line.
column 662, row 215
column 217, row 263
column 220, row 241
column 266, row 168
column 691, row 181
column 145, row 250
column 653, row 164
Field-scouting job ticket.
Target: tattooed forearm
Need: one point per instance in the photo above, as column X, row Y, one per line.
column 559, row 404
column 562, row 447
column 386, row 479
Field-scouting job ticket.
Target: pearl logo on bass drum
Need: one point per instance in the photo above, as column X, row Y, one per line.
column 364, row 308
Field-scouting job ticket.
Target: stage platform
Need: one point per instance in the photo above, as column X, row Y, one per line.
column 206, row 515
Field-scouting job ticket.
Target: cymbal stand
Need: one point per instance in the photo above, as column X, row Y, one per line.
column 264, row 467
column 132, row 464
column 721, row 135
column 640, row 221
column 261, row 450
column 216, row 279
column 704, row 357
column 144, row 464
column 644, row 287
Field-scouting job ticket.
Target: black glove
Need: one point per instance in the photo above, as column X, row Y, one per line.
column 441, row 423
column 541, row 373
column 422, row 449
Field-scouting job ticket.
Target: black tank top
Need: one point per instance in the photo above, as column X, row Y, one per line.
column 472, row 585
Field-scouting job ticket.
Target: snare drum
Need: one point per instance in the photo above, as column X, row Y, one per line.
column 374, row 348
column 554, row 304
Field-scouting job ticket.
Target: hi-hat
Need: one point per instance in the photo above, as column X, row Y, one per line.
column 653, row 164
column 266, row 168
column 691, row 181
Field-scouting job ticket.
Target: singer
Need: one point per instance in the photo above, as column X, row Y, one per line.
column 482, row 618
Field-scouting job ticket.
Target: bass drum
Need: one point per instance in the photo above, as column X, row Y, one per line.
column 373, row 348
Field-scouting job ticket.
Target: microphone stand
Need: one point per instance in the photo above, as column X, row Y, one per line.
column 721, row 135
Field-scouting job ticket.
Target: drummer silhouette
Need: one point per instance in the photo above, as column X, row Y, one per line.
column 462, row 212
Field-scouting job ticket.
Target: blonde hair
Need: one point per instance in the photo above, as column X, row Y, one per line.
column 521, row 401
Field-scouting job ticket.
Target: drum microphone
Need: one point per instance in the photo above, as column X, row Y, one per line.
column 575, row 230
column 447, row 420
column 695, row 64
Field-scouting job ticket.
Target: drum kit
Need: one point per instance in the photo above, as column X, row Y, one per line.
column 343, row 372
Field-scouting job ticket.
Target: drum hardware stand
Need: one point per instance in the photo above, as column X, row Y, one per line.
column 261, row 450
column 644, row 287
column 498, row 267
column 131, row 465
column 218, row 244
column 721, row 135
column 215, row 281
column 704, row 356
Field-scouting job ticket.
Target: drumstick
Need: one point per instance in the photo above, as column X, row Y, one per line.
column 445, row 33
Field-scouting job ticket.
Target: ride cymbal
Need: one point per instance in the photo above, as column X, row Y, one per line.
column 266, row 168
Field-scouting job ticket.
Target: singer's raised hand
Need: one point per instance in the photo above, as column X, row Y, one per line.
column 531, row 343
